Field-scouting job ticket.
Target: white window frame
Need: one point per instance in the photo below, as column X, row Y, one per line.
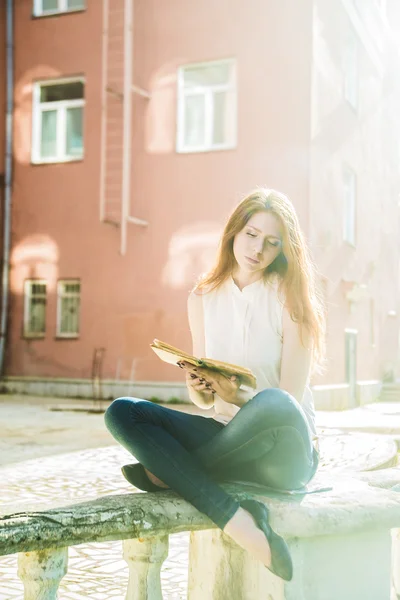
column 62, row 294
column 27, row 305
column 38, row 10
column 382, row 6
column 208, row 92
column 349, row 206
column 38, row 108
column 351, row 79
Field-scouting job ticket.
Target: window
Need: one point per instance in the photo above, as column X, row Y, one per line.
column 34, row 308
column 68, row 307
column 58, row 121
column 372, row 322
column 53, row 7
column 351, row 364
column 207, row 107
column 351, row 70
column 349, row 209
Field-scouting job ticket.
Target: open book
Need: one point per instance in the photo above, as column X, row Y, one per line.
column 172, row 355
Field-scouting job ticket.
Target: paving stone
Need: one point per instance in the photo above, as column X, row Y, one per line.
column 39, row 469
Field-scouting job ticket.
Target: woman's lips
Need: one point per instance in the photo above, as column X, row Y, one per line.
column 252, row 260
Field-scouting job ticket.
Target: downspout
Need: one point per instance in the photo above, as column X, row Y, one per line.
column 7, row 177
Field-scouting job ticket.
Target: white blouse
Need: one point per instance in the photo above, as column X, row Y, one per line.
column 244, row 327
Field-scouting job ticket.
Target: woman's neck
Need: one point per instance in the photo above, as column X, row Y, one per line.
column 242, row 280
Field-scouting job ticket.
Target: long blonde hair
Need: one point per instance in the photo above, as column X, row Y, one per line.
column 293, row 265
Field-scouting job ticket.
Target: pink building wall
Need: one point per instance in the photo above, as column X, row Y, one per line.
column 294, row 132
column 365, row 140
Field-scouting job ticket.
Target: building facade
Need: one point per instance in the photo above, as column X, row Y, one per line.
column 139, row 124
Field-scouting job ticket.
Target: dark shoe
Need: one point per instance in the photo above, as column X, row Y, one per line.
column 281, row 562
column 136, row 475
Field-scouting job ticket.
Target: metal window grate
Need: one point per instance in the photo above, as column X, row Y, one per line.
column 68, row 309
column 35, row 308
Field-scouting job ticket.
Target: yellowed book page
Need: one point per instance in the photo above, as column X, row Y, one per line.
column 172, row 355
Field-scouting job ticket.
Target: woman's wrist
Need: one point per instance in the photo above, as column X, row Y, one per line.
column 243, row 396
column 240, row 398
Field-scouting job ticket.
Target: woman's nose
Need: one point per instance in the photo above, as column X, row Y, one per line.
column 258, row 246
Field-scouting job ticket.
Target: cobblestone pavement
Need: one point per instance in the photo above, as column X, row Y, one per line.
column 95, row 571
column 98, row 571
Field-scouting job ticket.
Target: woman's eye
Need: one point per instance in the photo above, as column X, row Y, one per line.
column 251, row 234
column 274, row 244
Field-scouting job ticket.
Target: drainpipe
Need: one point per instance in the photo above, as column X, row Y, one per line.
column 7, row 176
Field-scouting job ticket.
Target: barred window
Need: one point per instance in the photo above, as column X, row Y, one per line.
column 34, row 308
column 68, row 307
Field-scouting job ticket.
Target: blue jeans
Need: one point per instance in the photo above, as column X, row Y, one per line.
column 267, row 442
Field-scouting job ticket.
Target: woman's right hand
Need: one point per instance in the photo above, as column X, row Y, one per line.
column 196, row 379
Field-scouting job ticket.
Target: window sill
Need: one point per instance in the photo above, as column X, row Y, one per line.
column 61, row 161
column 208, row 149
column 66, row 337
column 57, row 13
column 33, row 336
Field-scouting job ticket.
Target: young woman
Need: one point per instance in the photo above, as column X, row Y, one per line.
column 257, row 308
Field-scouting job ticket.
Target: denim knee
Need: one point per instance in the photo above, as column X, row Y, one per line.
column 117, row 412
column 273, row 397
column 273, row 402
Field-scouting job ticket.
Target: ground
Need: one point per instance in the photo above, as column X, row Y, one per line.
column 54, row 451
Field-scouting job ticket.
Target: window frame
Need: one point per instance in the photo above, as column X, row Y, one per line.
column 351, row 75
column 62, row 8
column 61, row 106
column 352, row 238
column 59, row 333
column 382, row 6
column 207, row 92
column 27, row 296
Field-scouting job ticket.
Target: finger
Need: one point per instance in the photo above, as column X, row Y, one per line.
column 201, row 387
column 189, row 366
column 197, row 384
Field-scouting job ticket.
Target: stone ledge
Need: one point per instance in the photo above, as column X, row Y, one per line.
column 351, row 506
column 385, row 479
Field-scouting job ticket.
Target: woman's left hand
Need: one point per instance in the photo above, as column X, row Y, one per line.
column 226, row 387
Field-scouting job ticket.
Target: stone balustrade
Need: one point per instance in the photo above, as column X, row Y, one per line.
column 340, row 541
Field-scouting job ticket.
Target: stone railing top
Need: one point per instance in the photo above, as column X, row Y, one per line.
column 382, row 478
column 351, row 505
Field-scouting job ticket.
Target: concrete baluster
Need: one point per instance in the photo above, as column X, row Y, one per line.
column 145, row 558
column 343, row 566
column 396, row 563
column 41, row 572
column 220, row 569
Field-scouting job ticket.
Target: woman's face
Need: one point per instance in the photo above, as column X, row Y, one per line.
column 257, row 245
